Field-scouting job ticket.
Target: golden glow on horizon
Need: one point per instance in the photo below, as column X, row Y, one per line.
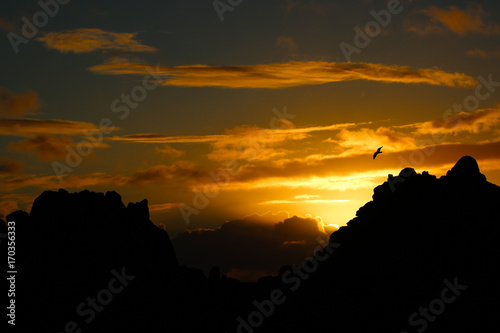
column 188, row 126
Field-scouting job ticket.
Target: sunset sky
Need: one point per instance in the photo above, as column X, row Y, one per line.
column 283, row 100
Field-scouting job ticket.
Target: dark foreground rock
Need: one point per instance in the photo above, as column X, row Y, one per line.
column 420, row 257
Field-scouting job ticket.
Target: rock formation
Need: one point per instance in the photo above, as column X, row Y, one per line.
column 421, row 256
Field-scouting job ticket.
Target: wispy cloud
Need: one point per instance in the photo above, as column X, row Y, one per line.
column 48, row 147
column 453, row 19
column 18, row 104
column 276, row 202
column 182, row 170
column 163, row 207
column 483, row 54
column 306, row 196
column 243, row 142
column 89, row 40
column 336, row 172
column 252, row 143
column 51, row 182
column 27, row 127
column 255, row 178
column 399, row 138
column 234, row 136
column 10, row 167
column 159, row 138
column 482, row 120
column 170, row 151
column 364, row 140
column 291, row 74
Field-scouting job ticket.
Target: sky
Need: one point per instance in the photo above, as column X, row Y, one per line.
column 243, row 118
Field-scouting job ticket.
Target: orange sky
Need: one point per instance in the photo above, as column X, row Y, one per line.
column 216, row 121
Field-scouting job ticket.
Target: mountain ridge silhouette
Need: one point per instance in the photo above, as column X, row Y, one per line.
column 393, row 259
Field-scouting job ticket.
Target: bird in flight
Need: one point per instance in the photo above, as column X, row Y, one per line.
column 378, row 152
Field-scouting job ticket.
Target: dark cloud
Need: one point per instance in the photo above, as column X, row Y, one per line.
column 16, row 104
column 46, row 147
column 254, row 243
column 50, row 147
column 160, row 173
column 10, row 167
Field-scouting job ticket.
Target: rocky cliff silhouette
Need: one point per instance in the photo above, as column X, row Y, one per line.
column 420, row 257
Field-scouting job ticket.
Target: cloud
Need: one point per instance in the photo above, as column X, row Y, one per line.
column 306, row 178
column 12, row 202
column 352, row 149
column 159, row 138
column 245, row 142
column 462, row 22
column 163, row 207
column 251, row 143
column 275, row 202
column 347, row 172
column 476, row 122
column 286, row 45
column 7, row 207
column 364, row 140
column 27, row 127
column 170, row 151
column 159, row 173
column 483, row 54
column 306, row 196
column 8, row 25
column 89, row 40
column 10, row 167
column 12, row 104
column 49, row 147
column 254, row 243
column 182, row 173
column 245, row 135
column 51, row 182
column 291, row 74
column 46, row 146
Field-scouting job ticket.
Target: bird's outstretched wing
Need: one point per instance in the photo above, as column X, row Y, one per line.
column 377, row 152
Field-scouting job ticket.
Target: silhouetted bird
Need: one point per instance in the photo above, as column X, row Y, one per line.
column 377, row 152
